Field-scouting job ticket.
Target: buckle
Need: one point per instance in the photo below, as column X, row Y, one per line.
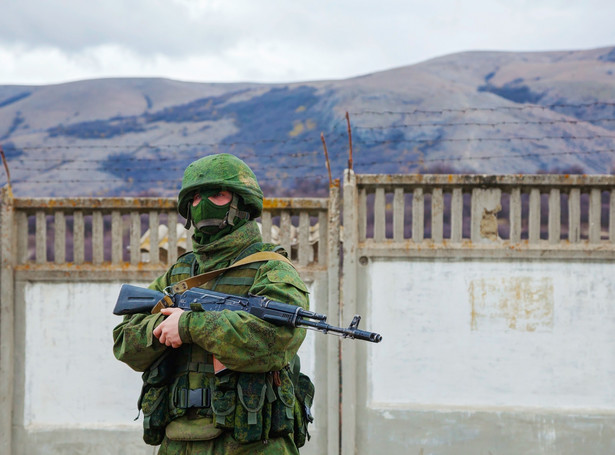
column 198, row 398
column 168, row 291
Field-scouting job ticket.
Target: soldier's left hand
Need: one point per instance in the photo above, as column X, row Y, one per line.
column 167, row 331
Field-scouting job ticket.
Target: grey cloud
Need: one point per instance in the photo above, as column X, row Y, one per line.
column 188, row 27
column 390, row 32
column 144, row 26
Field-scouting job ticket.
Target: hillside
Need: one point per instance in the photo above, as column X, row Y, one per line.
column 483, row 112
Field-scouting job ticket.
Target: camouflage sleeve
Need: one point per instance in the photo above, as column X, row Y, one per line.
column 160, row 283
column 134, row 343
column 133, row 340
column 243, row 342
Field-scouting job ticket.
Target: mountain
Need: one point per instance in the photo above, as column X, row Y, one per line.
column 478, row 112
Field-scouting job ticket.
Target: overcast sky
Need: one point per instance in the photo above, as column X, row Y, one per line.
column 50, row 41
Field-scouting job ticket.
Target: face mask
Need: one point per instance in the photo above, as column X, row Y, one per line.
column 207, row 216
column 215, row 221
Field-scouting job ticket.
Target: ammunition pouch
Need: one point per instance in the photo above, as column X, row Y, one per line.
column 155, row 417
column 187, row 429
column 224, row 401
column 253, row 406
column 282, row 413
column 303, row 409
column 252, row 420
column 259, row 406
column 154, row 398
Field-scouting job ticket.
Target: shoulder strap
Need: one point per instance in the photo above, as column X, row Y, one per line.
column 198, row 280
column 260, row 246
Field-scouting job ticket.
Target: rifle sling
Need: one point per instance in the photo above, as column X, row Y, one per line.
column 199, row 280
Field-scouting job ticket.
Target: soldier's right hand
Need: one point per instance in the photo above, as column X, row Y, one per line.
column 167, row 331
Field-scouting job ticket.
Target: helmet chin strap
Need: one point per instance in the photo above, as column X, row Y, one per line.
column 229, row 218
column 188, row 219
column 234, row 211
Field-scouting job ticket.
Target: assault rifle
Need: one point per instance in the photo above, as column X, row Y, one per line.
column 134, row 299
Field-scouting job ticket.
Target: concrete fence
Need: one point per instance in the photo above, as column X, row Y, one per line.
column 493, row 295
column 525, row 215
column 495, row 298
column 63, row 261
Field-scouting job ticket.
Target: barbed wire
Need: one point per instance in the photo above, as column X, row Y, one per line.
column 122, row 152
column 487, row 139
column 484, row 157
column 334, row 128
column 155, row 159
column 148, row 168
column 166, row 133
column 129, row 181
column 293, row 154
column 485, row 109
column 334, row 133
column 158, row 146
column 491, row 124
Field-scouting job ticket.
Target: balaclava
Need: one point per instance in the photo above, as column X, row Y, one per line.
column 213, row 221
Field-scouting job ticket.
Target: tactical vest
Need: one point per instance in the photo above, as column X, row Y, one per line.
column 253, row 406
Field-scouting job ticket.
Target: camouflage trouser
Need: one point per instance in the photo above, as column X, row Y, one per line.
column 226, row 445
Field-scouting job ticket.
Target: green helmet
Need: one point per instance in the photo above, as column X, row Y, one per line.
column 223, row 171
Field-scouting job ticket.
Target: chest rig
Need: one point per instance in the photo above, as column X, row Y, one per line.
column 195, row 381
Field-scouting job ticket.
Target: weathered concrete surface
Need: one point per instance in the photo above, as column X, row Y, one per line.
column 70, row 370
column 82, row 441
column 488, row 180
column 76, row 398
column 491, row 346
column 7, row 317
column 479, row 432
column 486, row 203
column 501, row 357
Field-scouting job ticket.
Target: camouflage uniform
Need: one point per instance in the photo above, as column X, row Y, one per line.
column 242, row 342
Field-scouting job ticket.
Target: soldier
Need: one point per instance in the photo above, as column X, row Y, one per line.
column 255, row 406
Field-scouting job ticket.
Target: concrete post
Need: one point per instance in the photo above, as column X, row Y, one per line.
column 349, row 307
column 485, row 206
column 7, row 344
column 333, row 343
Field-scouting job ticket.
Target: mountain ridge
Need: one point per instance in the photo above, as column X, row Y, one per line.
column 477, row 111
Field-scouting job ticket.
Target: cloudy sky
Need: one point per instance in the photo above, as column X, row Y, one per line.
column 50, row 41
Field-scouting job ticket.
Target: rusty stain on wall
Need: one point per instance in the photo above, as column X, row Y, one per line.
column 511, row 303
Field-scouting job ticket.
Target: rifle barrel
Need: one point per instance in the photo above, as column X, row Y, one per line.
column 349, row 332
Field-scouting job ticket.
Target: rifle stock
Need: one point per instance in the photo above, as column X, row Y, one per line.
column 135, row 299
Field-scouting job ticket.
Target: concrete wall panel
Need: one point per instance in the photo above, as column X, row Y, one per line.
column 487, row 356
column 482, row 333
column 77, row 397
column 72, row 377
